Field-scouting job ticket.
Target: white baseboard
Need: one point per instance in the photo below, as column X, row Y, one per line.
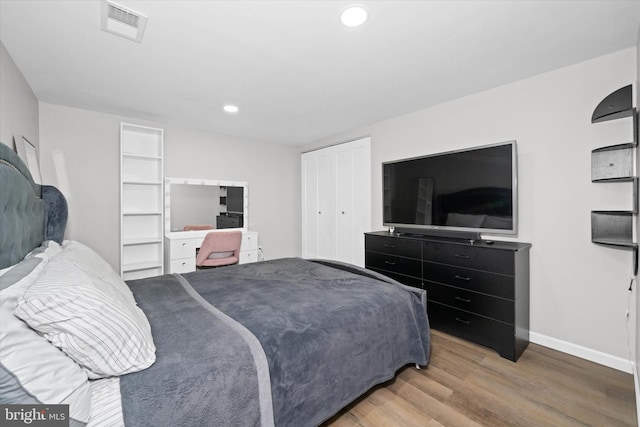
column 636, row 382
column 615, row 362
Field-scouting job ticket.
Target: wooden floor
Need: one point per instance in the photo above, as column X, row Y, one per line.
column 469, row 385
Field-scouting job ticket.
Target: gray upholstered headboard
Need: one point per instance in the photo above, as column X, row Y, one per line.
column 29, row 213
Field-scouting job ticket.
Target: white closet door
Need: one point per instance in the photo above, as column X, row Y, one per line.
column 317, row 206
column 309, row 175
column 336, row 201
column 353, row 200
column 361, row 198
column 326, row 206
column 344, row 204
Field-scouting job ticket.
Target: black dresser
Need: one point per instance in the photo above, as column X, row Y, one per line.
column 229, row 221
column 476, row 291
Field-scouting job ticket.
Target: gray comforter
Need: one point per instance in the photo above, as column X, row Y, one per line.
column 286, row 342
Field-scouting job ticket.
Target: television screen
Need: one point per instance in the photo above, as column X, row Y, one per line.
column 468, row 190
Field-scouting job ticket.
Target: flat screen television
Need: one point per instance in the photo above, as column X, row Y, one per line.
column 464, row 192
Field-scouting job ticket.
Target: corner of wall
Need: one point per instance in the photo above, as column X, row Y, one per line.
column 636, row 333
column 19, row 109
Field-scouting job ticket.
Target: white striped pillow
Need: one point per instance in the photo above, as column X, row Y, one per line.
column 92, row 322
column 106, row 403
column 31, row 369
column 93, row 265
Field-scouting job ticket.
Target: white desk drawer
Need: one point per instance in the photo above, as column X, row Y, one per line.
column 249, row 241
column 183, row 248
column 247, row 257
column 184, row 265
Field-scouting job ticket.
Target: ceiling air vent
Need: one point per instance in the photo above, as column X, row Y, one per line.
column 122, row 21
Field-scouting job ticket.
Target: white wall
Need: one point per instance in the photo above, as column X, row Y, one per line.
column 578, row 289
column 88, row 145
column 18, row 104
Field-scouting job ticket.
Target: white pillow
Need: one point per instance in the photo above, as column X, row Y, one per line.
column 91, row 320
column 33, row 370
column 93, row 265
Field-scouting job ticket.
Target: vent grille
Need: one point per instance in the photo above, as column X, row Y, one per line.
column 122, row 21
column 123, row 16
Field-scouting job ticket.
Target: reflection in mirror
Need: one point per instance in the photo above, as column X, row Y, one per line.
column 194, row 205
column 205, row 204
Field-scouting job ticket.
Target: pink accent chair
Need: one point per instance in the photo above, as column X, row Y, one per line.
column 219, row 248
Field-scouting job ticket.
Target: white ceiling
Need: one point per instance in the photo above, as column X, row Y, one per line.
column 295, row 72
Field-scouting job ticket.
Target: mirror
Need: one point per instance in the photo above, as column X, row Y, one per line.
column 202, row 202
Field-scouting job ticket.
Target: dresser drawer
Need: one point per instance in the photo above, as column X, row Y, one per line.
column 247, row 257
column 394, row 246
column 249, row 242
column 484, row 305
column 474, row 280
column 480, row 258
column 183, row 248
column 416, row 282
column 491, row 333
column 395, row 264
column 224, row 221
column 471, row 287
column 183, row 265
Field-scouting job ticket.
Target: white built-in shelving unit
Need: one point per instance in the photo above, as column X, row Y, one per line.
column 141, row 206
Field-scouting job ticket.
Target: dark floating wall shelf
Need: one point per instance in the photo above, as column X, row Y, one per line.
column 615, row 106
column 615, row 163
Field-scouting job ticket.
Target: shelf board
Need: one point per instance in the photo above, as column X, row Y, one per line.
column 141, row 241
column 630, row 245
column 140, row 266
column 633, row 246
column 625, row 146
column 612, row 227
column 619, row 179
column 140, row 156
column 142, row 182
column 137, row 213
column 615, row 106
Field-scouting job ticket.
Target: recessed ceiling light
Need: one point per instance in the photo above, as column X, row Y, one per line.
column 231, row 108
column 354, row 16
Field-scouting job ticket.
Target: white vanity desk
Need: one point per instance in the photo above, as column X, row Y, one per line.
column 185, row 201
column 180, row 249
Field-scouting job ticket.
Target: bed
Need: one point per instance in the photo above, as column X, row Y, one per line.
column 286, row 342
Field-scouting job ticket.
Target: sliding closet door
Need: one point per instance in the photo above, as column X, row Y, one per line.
column 317, row 220
column 353, row 200
column 326, row 206
column 336, row 200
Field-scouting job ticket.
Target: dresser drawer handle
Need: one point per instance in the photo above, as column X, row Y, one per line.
column 390, row 262
column 466, row 322
column 389, row 246
column 466, row 279
column 462, row 256
column 462, row 299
